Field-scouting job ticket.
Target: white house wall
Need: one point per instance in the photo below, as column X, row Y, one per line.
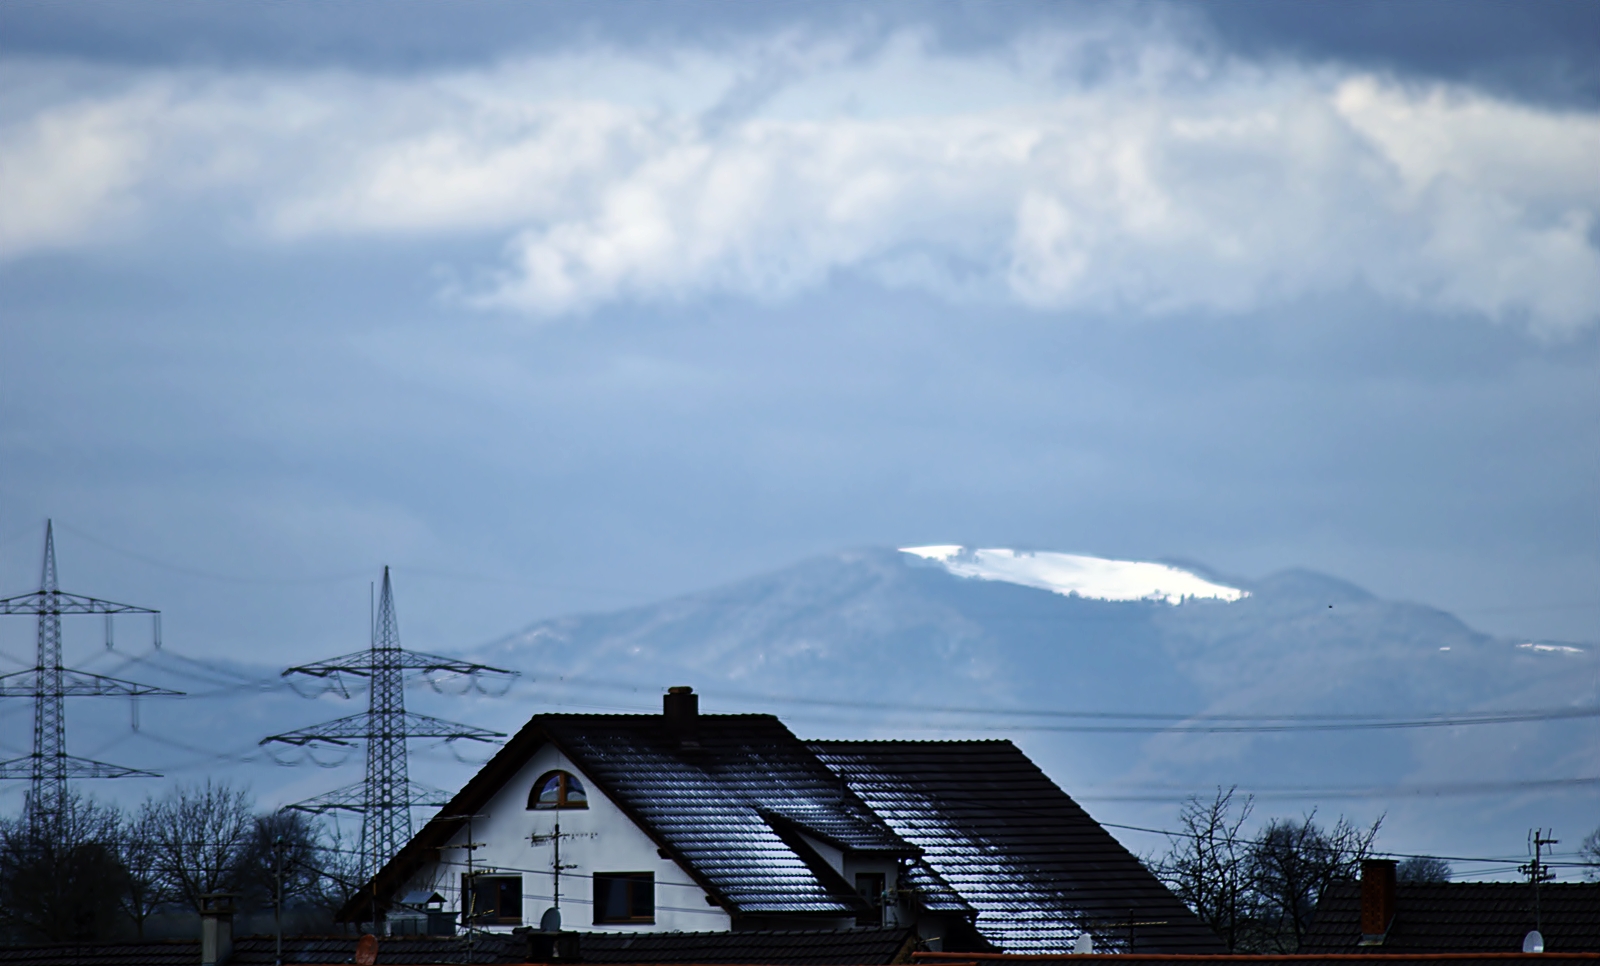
column 600, row 838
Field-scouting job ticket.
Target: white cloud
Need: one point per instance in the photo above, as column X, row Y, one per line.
column 1168, row 182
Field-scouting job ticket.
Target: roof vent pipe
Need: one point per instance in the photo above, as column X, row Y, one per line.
column 1377, row 900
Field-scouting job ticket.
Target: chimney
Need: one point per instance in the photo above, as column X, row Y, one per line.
column 216, row 928
column 681, row 708
column 1377, row 900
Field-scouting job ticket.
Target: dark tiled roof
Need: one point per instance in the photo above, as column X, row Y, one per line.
column 259, row 951
column 844, row 947
column 103, row 954
column 1242, row 959
column 715, row 803
column 1015, row 847
column 932, row 892
column 1462, row 917
column 727, row 805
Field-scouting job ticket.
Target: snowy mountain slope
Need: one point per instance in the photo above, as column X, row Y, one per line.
column 883, row 636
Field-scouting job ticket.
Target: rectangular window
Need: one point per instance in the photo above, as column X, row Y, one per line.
column 492, row 899
column 624, row 897
column 870, row 885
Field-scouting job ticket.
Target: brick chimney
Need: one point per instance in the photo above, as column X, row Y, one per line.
column 681, row 708
column 1377, row 900
column 681, row 705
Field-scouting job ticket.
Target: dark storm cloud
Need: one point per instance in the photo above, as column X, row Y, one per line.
column 1546, row 50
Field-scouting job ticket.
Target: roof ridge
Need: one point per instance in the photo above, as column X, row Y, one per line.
column 908, row 741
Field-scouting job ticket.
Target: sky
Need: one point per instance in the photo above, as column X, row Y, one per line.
column 564, row 307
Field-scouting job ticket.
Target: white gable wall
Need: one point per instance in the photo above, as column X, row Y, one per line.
column 602, row 839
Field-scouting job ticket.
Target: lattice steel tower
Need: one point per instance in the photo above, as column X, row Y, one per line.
column 385, row 799
column 48, row 684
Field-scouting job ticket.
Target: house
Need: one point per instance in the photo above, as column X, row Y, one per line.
column 690, row 823
column 1381, row 915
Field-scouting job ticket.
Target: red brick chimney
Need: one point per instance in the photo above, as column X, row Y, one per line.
column 1377, row 900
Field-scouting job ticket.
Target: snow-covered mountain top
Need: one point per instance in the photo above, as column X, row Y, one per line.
column 1073, row 574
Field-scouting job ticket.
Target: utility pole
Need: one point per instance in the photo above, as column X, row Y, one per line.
column 1537, row 872
column 48, row 683
column 386, row 796
column 277, row 905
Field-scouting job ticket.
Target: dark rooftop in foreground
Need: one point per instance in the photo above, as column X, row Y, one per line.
column 1245, row 959
column 1016, row 848
column 844, row 947
column 1449, row 917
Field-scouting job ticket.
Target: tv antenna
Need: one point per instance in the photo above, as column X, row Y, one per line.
column 1538, row 872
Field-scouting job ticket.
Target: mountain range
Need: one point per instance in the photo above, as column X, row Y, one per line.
column 1134, row 684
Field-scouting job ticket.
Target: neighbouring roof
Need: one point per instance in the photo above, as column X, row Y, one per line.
column 1462, row 917
column 729, row 805
column 841, row 947
column 104, row 954
column 1270, row 959
column 1036, row 867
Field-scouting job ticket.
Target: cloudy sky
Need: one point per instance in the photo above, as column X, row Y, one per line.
column 562, row 307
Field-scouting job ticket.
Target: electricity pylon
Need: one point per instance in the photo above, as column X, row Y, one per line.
column 48, row 683
column 385, row 798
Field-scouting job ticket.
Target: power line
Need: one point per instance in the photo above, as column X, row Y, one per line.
column 1181, row 723
column 207, row 574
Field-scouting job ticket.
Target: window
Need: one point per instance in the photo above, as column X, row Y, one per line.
column 870, row 885
column 492, row 899
column 624, row 897
column 558, row 789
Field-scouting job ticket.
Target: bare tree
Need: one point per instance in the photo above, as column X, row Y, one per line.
column 201, row 834
column 144, row 886
column 1423, row 868
column 59, row 875
column 284, row 845
column 1258, row 893
column 1292, row 863
column 1207, row 866
column 1589, row 853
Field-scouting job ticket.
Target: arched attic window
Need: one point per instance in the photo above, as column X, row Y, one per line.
column 558, row 789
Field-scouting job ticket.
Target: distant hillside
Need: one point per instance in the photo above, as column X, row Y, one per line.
column 878, row 629
column 882, row 643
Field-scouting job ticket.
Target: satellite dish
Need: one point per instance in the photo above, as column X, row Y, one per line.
column 1084, row 945
column 1533, row 942
column 367, row 950
column 551, row 920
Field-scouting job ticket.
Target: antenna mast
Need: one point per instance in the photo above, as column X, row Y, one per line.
column 1537, row 872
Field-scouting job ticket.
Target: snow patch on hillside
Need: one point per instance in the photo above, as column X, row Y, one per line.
column 1075, row 575
column 1552, row 648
